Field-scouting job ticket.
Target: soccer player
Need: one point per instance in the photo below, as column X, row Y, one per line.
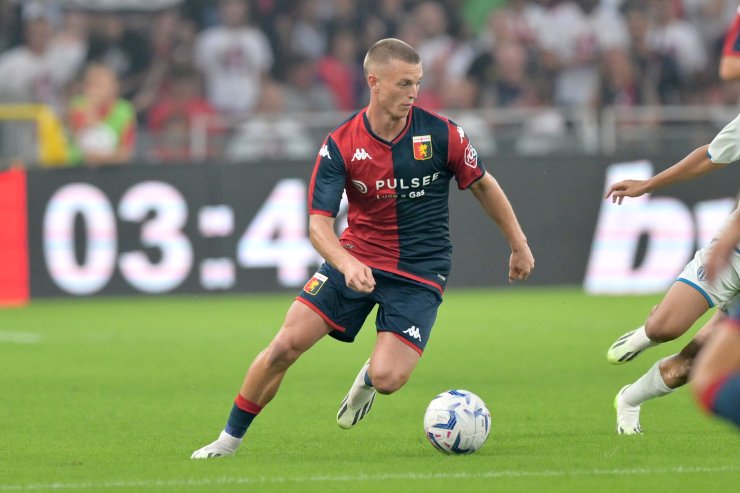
column 685, row 301
column 716, row 373
column 395, row 161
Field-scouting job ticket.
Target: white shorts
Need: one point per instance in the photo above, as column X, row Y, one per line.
column 724, row 290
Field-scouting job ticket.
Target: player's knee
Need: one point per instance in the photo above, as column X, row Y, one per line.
column 661, row 327
column 388, row 382
column 280, row 354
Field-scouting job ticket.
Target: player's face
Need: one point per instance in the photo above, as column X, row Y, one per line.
column 395, row 86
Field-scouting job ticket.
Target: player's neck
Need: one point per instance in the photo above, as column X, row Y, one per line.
column 384, row 125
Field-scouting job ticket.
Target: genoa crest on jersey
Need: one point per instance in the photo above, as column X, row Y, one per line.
column 422, row 147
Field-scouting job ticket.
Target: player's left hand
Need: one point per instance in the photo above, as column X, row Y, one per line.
column 521, row 264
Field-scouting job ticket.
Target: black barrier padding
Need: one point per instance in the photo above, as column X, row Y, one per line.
column 557, row 201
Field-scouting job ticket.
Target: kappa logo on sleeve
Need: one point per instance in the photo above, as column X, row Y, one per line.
column 313, row 286
column 422, row 147
column 324, row 152
column 461, row 132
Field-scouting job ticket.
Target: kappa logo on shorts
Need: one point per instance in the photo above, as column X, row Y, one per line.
column 413, row 332
column 313, row 286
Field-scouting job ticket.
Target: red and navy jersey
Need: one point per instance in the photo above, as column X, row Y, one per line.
column 731, row 45
column 397, row 191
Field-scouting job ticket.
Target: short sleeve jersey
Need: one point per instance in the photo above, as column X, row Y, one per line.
column 398, row 219
column 725, row 147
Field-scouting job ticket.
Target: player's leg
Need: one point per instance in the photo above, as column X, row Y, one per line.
column 392, row 363
column 661, row 379
column 406, row 313
column 716, row 375
column 387, row 370
column 301, row 329
column 680, row 308
column 675, row 370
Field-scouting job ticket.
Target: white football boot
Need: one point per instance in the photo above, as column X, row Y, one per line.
column 226, row 445
column 628, row 417
column 628, row 347
column 357, row 402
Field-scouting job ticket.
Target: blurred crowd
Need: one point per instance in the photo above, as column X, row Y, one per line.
column 117, row 78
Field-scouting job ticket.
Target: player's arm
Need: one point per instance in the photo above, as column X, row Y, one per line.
column 357, row 275
column 695, row 164
column 729, row 68
column 729, row 63
column 493, row 200
column 723, row 248
column 324, row 197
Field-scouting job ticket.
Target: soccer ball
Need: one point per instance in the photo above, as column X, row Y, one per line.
column 457, row 422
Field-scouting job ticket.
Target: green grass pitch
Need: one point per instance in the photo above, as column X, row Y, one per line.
column 114, row 394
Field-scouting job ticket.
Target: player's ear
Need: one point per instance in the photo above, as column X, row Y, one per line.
column 372, row 81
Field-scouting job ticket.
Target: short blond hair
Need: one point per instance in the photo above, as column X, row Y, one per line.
column 387, row 50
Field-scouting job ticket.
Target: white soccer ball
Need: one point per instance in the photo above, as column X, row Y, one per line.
column 457, row 422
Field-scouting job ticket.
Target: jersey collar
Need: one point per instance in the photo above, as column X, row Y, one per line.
column 381, row 140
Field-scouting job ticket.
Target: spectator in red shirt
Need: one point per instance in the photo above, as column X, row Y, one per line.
column 341, row 71
column 171, row 119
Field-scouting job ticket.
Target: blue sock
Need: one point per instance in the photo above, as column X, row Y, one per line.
column 368, row 382
column 727, row 399
column 242, row 414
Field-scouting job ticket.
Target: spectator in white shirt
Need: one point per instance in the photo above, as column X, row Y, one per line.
column 234, row 58
column 38, row 70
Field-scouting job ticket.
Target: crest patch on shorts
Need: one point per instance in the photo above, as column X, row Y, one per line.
column 314, row 284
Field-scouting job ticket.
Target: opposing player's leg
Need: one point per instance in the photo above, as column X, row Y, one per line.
column 675, row 370
column 680, row 308
column 716, row 374
column 661, row 379
column 301, row 329
column 387, row 370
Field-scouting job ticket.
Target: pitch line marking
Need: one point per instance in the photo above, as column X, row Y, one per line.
column 179, row 483
column 19, row 337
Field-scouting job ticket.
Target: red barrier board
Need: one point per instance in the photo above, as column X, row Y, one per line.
column 14, row 278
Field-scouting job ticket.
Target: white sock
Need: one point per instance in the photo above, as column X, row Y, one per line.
column 229, row 442
column 646, row 387
column 640, row 340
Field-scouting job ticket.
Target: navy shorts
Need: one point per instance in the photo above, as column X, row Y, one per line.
column 406, row 307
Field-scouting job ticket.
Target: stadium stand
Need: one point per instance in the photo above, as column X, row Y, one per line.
column 534, row 76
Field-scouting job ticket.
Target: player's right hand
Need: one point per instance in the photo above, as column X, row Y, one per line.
column 359, row 277
column 626, row 188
